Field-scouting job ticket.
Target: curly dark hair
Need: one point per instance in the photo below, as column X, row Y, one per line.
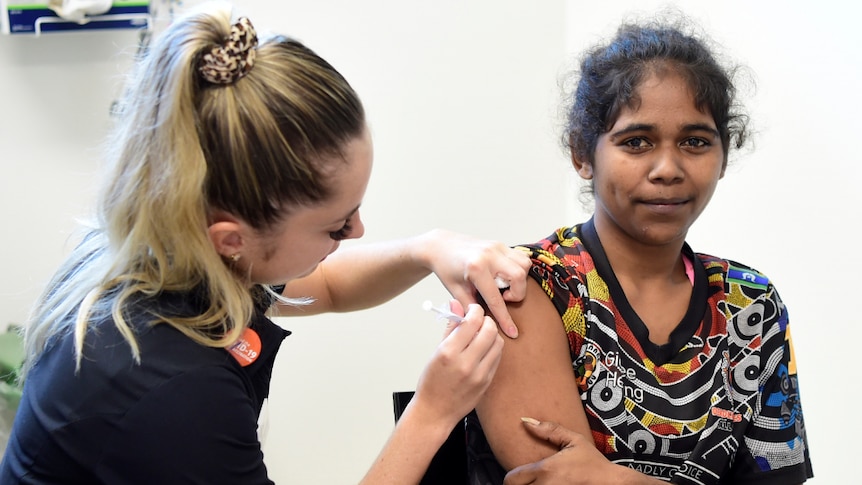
column 611, row 73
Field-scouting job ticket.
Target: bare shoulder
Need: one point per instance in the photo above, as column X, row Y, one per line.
column 534, row 379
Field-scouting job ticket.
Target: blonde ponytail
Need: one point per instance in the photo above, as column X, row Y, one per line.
column 183, row 147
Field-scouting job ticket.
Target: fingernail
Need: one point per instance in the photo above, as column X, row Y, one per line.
column 513, row 332
column 530, row 421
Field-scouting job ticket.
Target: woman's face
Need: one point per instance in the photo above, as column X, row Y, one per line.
column 658, row 165
column 309, row 234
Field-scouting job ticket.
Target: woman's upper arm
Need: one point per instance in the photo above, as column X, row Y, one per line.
column 535, row 379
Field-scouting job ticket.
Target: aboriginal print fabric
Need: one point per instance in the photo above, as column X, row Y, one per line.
column 718, row 404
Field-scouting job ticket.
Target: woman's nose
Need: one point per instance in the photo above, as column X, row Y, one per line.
column 358, row 228
column 667, row 166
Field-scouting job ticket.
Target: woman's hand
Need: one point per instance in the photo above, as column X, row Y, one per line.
column 577, row 462
column 450, row 386
column 466, row 265
column 461, row 368
column 379, row 272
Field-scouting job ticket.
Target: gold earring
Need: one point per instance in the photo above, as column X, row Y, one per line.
column 235, row 257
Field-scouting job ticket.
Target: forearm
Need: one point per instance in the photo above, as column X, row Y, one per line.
column 365, row 276
column 408, row 452
column 450, row 385
column 576, row 462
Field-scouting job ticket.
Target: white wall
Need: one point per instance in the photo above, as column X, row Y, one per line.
column 461, row 98
column 57, row 91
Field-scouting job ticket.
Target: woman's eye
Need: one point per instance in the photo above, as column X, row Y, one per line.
column 695, row 143
column 636, row 143
column 342, row 233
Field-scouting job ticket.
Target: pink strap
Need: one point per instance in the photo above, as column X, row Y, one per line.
column 689, row 268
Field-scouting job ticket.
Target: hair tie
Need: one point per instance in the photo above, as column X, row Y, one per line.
column 225, row 64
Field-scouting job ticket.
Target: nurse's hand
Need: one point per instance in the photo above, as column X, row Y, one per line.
column 461, row 368
column 468, row 266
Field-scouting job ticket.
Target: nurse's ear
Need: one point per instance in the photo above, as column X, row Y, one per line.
column 226, row 234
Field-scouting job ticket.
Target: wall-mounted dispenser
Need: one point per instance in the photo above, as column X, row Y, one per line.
column 43, row 16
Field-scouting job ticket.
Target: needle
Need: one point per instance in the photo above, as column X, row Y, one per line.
column 427, row 306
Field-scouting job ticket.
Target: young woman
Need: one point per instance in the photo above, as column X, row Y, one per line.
column 238, row 167
column 654, row 362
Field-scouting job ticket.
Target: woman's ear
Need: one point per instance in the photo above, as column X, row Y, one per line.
column 584, row 169
column 226, row 236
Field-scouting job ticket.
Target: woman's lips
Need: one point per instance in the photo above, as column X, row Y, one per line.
column 665, row 206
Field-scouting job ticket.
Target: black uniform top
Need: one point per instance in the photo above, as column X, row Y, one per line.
column 186, row 414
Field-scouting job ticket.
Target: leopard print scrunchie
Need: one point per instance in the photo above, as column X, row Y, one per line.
column 225, row 64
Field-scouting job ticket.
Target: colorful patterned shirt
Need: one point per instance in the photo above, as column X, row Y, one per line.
column 719, row 403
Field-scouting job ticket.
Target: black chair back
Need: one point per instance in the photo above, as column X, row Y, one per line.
column 449, row 465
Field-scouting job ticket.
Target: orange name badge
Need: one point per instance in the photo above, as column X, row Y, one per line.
column 247, row 349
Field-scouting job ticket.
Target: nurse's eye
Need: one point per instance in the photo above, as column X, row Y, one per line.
column 342, row 233
column 636, row 143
